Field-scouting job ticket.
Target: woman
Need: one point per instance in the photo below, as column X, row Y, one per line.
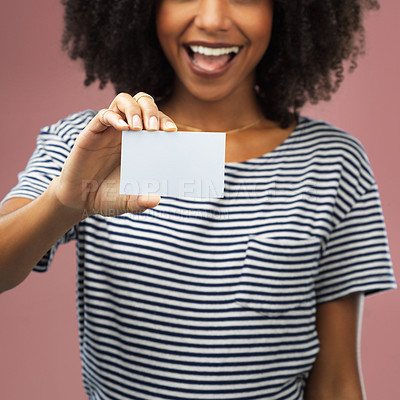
column 254, row 296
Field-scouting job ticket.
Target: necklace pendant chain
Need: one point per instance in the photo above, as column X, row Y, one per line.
column 243, row 128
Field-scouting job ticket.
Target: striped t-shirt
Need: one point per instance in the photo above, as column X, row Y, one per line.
column 216, row 298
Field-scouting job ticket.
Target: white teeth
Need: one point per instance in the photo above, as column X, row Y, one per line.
column 209, row 51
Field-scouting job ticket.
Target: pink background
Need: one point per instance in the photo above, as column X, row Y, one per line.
column 39, row 355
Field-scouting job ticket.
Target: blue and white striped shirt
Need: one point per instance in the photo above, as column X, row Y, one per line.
column 216, row 299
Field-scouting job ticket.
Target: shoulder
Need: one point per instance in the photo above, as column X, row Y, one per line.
column 325, row 136
column 67, row 129
column 333, row 148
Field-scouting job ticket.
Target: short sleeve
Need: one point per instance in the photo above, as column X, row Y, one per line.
column 356, row 257
column 53, row 145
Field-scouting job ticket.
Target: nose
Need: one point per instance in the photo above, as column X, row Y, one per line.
column 213, row 16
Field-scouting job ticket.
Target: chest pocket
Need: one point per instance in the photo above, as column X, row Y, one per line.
column 278, row 275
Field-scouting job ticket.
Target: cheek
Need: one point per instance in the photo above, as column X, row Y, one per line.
column 169, row 28
column 262, row 33
column 164, row 24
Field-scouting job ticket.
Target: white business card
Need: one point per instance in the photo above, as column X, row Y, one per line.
column 176, row 164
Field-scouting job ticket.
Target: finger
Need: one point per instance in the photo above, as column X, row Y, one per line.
column 149, row 111
column 141, row 203
column 126, row 106
column 166, row 123
column 148, row 201
column 109, row 118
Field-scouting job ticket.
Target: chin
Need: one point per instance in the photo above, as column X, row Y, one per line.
column 213, row 93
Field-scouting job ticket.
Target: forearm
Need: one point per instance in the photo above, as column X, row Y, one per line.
column 338, row 390
column 27, row 233
column 335, row 379
column 336, row 373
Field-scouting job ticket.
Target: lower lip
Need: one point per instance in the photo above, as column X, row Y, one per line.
column 209, row 74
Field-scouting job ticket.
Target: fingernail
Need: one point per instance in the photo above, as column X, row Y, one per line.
column 153, row 123
column 170, row 125
column 123, row 123
column 136, row 122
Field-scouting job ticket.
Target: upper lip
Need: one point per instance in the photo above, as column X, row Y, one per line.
column 212, row 45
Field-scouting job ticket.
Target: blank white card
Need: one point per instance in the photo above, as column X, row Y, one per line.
column 176, row 164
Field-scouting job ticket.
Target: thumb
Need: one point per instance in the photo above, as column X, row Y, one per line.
column 142, row 202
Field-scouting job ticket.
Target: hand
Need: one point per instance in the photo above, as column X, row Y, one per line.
column 90, row 177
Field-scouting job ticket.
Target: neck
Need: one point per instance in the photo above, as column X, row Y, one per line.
column 235, row 111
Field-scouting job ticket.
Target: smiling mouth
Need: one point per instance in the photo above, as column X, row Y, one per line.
column 211, row 59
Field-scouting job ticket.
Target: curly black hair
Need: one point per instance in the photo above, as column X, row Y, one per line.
column 312, row 41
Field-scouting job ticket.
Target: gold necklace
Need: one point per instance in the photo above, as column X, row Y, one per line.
column 243, row 128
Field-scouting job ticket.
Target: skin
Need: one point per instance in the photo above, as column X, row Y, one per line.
column 243, row 23
column 222, row 103
column 336, row 373
column 227, row 102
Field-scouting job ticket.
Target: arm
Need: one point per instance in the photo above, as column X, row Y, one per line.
column 27, row 230
column 88, row 184
column 336, row 374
